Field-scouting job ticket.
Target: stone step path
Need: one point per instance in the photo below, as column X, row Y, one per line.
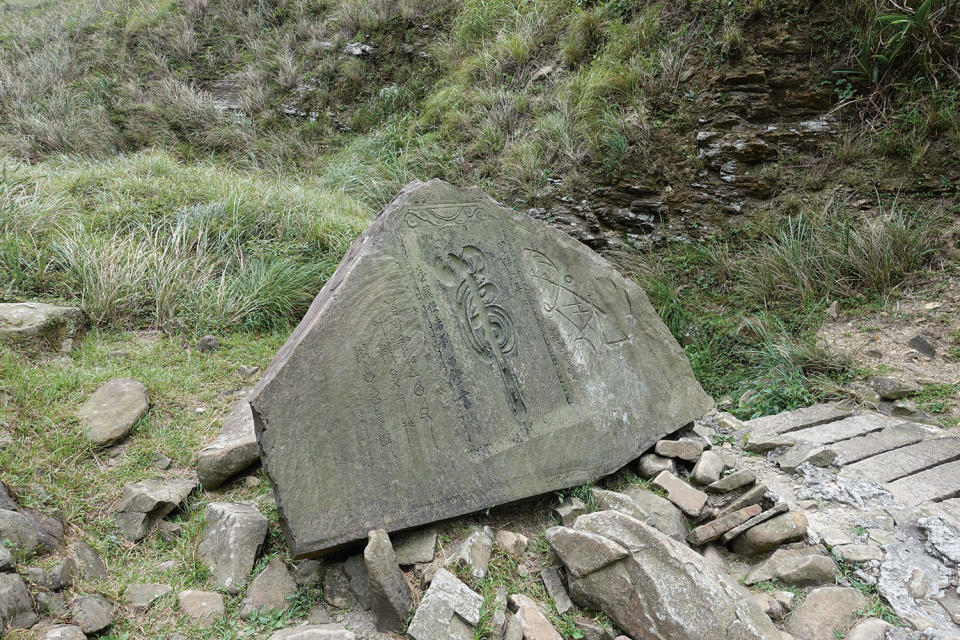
column 915, row 463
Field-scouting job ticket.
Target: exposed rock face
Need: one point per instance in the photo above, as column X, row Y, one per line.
column 390, row 596
column 113, row 409
column 533, row 623
column 637, row 582
column 16, row 607
column 450, row 610
column 474, row 552
column 89, row 563
column 145, row 502
column 645, row 506
column 35, row 327
column 231, row 542
column 269, row 590
column 464, row 341
column 416, row 546
column 233, row 451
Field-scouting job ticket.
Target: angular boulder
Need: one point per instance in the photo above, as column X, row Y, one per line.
column 450, row 610
column 231, row 542
column 92, row 613
column 233, row 451
column 465, row 347
column 658, row 587
column 35, row 327
column 16, row 607
column 144, row 503
column 270, row 590
column 20, row 532
column 390, row 596
column 110, row 412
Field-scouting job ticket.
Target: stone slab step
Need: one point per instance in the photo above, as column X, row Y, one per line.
column 936, row 484
column 797, row 419
column 898, row 463
column 845, row 428
column 892, row 437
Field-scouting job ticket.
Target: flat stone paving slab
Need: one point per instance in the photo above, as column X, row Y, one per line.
column 893, row 437
column 797, row 419
column 899, row 463
column 844, row 429
column 934, row 484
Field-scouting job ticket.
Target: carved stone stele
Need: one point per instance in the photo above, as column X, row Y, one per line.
column 462, row 356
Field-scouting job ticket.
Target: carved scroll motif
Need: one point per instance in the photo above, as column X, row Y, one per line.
column 488, row 326
column 589, row 320
column 443, row 214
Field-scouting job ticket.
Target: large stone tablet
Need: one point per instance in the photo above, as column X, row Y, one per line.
column 462, row 356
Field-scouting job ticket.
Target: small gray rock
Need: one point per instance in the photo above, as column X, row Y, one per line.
column 650, row 465
column 20, row 532
column 208, row 343
column 144, row 503
column 110, row 412
column 891, row 388
column 233, row 451
column 141, row 596
column 231, row 542
column 450, row 610
column 16, row 607
column 7, row 560
column 415, row 547
column 63, row 632
column 569, row 509
column 92, row 613
column 474, row 552
column 556, row 590
column 89, row 563
column 924, row 345
column 203, row 607
column 688, row 449
column 824, row 612
column 736, row 480
column 708, row 468
column 270, row 590
column 35, row 327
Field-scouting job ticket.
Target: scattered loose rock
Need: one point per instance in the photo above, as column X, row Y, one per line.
column 92, row 613
column 789, row 527
column 63, row 632
column 708, row 468
column 16, row 607
column 390, row 596
column 144, row 503
column 35, row 327
column 555, row 589
column 450, row 610
column 685, row 497
column 824, row 612
column 569, row 510
column 141, row 596
column 233, row 451
column 869, row 629
column 20, row 532
column 650, row 465
column 314, row 632
column 270, row 590
column 231, row 542
column 689, row 449
column 512, row 544
column 203, row 607
column 533, row 623
column 89, row 563
column 638, row 589
column 715, row 528
column 891, row 388
column 732, row 482
column 416, row 547
column 110, row 413
column 208, row 343
column 645, row 506
column 474, row 552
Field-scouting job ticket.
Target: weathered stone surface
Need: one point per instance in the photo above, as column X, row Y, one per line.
column 796, row 419
column 715, row 528
column 7, row 560
column 816, row 454
column 645, row 506
column 269, row 590
column 708, row 468
column 203, row 607
column 753, row 495
column 450, row 610
column 781, row 559
column 584, row 552
column 789, row 527
column 63, row 632
column 650, row 465
column 845, row 428
column 891, row 437
column 688, row 449
column 764, row 442
column 390, row 597
column 933, row 484
column 231, row 542
column 16, row 607
column 869, row 629
column 144, row 503
column 92, row 613
column 35, row 327
column 89, row 563
column 498, row 615
column 640, row 591
column 569, row 510
column 515, row 350
column 49, row 529
column 824, row 612
column 474, row 552
column 772, row 512
column 891, row 465
column 20, row 532
column 233, row 451
column 891, row 388
column 314, row 632
column 685, row 497
column 809, row 570
column 109, row 414
column 533, row 623
column 858, row 552
column 511, row 543
column 416, row 547
column 556, row 590
column 50, row 603
column 141, row 596
column 736, row 480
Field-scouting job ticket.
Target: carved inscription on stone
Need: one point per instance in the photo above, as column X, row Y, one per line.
column 462, row 356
